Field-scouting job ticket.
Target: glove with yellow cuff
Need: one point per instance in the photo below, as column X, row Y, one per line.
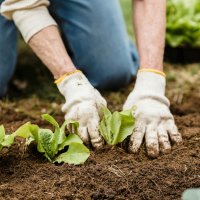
column 83, row 104
column 154, row 121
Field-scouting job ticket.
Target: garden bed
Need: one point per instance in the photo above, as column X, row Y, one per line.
column 109, row 173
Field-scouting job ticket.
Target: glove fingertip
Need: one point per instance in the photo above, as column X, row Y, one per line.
column 152, row 153
column 176, row 139
column 85, row 141
column 83, row 134
column 98, row 142
column 153, row 150
column 98, row 145
column 164, row 145
column 133, row 148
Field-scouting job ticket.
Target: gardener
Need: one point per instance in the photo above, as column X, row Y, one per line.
column 94, row 35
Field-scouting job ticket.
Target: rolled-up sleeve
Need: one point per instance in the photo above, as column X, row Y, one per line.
column 30, row 16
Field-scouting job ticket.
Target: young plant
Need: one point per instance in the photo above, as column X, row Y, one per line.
column 5, row 140
column 52, row 144
column 116, row 127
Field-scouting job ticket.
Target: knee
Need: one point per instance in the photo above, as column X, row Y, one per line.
column 114, row 78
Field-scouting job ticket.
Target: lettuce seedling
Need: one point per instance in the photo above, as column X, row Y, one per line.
column 116, row 127
column 52, row 143
column 24, row 131
column 5, row 140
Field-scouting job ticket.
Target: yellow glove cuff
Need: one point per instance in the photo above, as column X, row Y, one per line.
column 65, row 75
column 152, row 70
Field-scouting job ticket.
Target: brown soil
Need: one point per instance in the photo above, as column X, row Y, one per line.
column 109, row 173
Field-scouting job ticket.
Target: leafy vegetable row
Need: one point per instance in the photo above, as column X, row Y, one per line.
column 58, row 147
column 51, row 144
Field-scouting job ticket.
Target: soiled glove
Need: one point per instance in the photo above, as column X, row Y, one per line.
column 154, row 121
column 83, row 104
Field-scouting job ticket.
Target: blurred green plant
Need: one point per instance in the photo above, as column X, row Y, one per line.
column 127, row 12
column 183, row 23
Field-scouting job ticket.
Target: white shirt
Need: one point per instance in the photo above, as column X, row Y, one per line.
column 30, row 16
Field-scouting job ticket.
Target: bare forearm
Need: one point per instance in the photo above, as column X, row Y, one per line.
column 150, row 21
column 48, row 46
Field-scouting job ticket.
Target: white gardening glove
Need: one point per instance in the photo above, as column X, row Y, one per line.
column 154, row 121
column 83, row 104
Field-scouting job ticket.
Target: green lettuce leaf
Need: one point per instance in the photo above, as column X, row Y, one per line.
column 27, row 130
column 105, row 127
column 50, row 119
column 2, row 133
column 8, row 140
column 71, row 138
column 77, row 154
column 44, row 143
column 5, row 140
